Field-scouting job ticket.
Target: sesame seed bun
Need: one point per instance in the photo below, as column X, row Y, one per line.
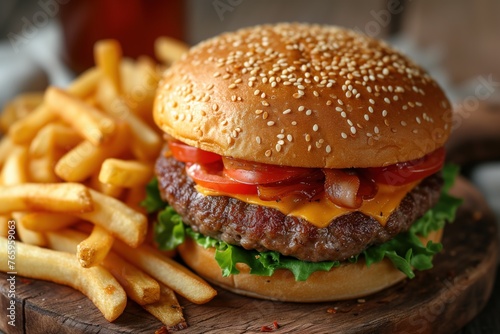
column 350, row 280
column 303, row 95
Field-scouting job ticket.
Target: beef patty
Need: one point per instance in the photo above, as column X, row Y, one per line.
column 256, row 227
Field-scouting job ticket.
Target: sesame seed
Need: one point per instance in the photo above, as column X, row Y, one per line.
column 386, row 100
column 343, row 114
column 375, row 129
column 289, row 137
column 215, row 107
column 308, row 137
column 384, row 113
column 315, row 127
column 287, row 111
column 328, row 149
column 296, row 95
column 265, row 103
column 231, row 86
column 259, row 111
column 353, row 130
column 278, row 147
column 339, row 101
column 367, row 117
column 270, row 123
column 308, row 112
column 329, row 102
column 265, row 115
column 294, row 123
column 315, row 93
column 403, row 123
column 385, row 71
column 344, row 135
column 258, row 140
column 350, row 122
column 339, row 109
column 418, row 120
column 256, row 92
column 268, row 153
column 370, row 109
column 371, row 101
column 301, row 108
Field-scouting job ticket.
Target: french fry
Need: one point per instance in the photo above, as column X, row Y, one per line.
column 85, row 84
column 116, row 217
column 4, row 225
column 107, row 55
column 139, row 83
column 52, row 197
column 63, row 268
column 146, row 142
column 91, row 124
column 18, row 108
column 28, row 236
column 139, row 286
column 105, row 188
column 85, row 159
column 42, row 169
column 43, row 221
column 134, row 198
column 125, row 174
column 64, row 240
column 15, row 167
column 168, row 272
column 168, row 310
column 53, row 135
column 169, row 50
column 6, row 147
column 91, row 251
column 25, row 129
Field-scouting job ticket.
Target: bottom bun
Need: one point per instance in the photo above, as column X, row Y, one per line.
column 350, row 280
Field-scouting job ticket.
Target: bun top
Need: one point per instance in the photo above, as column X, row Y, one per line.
column 303, row 95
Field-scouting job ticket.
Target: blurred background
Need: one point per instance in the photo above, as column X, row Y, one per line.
column 46, row 42
column 458, row 41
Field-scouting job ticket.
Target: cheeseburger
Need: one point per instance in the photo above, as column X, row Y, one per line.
column 302, row 163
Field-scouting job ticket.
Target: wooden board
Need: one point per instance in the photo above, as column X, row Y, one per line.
column 441, row 300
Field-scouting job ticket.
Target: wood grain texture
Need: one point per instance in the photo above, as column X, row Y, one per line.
column 442, row 300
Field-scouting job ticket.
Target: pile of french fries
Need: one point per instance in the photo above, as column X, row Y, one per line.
column 74, row 163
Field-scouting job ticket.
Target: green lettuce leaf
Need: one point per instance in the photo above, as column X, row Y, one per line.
column 260, row 263
column 153, row 201
column 405, row 251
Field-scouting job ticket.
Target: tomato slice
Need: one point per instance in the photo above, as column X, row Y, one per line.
column 409, row 171
column 210, row 176
column 186, row 153
column 257, row 173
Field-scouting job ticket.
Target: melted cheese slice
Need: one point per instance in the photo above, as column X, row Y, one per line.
column 321, row 211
